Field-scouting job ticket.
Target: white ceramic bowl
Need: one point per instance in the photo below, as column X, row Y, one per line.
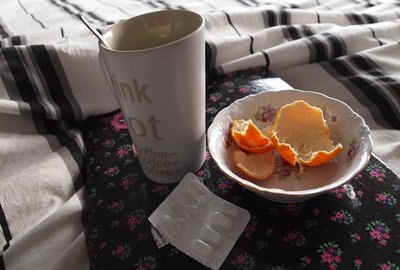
column 286, row 184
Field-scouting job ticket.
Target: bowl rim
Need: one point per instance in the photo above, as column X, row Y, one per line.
column 277, row 191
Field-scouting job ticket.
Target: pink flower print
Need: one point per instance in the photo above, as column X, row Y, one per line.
column 386, row 199
column 316, row 212
column 116, row 206
column 330, row 254
column 204, row 174
column 160, row 189
column 224, row 186
column 326, row 257
column 103, row 245
column 357, row 263
column 386, row 236
column 265, row 114
column 295, row 238
column 118, row 122
column 378, row 231
column 354, row 148
column 240, row 259
column 342, row 217
column 294, row 208
column 243, row 261
column 227, row 84
column 215, row 97
column 250, row 228
column 112, row 171
column 355, row 237
column 146, row 263
column 121, row 251
column 376, row 172
column 136, row 218
column 123, row 150
column 128, row 181
column 385, row 267
column 243, row 89
column 375, row 235
column 108, row 143
column 208, row 155
column 388, row 266
column 305, row 261
column 211, row 110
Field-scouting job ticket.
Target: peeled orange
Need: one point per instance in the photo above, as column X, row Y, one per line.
column 300, row 135
column 257, row 166
column 249, row 137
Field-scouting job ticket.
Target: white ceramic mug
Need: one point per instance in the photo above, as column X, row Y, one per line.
column 155, row 62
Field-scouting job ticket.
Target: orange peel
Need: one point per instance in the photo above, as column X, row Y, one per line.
column 301, row 135
column 249, row 138
column 257, row 166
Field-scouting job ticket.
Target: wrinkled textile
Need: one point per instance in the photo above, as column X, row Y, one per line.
column 50, row 82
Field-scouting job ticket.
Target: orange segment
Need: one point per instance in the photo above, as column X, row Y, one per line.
column 249, row 137
column 257, row 166
column 300, row 135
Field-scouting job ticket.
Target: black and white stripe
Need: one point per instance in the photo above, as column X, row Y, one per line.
column 294, row 32
column 276, row 17
column 5, row 229
column 357, row 18
column 377, row 91
column 26, row 85
column 325, row 46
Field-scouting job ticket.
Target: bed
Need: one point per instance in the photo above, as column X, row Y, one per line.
column 51, row 89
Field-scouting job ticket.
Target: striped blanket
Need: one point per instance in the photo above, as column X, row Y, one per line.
column 50, row 82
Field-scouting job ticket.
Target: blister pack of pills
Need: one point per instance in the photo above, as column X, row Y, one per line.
column 199, row 223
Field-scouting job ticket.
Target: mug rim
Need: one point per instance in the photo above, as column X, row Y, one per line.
column 201, row 25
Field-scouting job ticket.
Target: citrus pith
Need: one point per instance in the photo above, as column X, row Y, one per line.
column 257, row 166
column 300, row 135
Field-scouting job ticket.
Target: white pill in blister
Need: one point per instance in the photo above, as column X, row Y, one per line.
column 188, row 199
column 220, row 222
column 201, row 250
column 179, row 214
column 169, row 226
column 211, row 237
column 197, row 189
column 194, row 210
column 229, row 210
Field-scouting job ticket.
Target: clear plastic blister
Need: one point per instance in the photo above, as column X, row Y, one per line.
column 199, row 223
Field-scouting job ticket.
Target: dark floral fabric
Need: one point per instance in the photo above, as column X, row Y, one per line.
column 355, row 226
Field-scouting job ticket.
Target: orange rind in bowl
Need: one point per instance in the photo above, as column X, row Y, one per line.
column 249, row 138
column 301, row 135
column 257, row 166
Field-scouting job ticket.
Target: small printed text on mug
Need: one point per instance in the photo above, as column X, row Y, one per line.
column 161, row 163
